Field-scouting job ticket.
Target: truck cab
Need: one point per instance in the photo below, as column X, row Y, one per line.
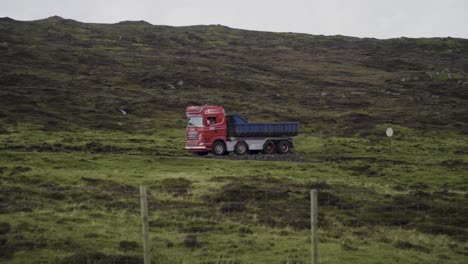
column 206, row 125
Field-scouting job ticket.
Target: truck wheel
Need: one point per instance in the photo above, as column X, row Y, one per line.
column 269, row 147
column 241, row 148
column 283, row 147
column 218, row 148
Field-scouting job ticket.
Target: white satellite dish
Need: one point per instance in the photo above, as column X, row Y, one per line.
column 389, row 132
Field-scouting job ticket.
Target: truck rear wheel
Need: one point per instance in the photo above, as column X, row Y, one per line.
column 218, row 148
column 241, row 148
column 269, row 147
column 283, row 147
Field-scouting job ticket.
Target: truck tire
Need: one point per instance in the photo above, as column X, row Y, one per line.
column 218, row 148
column 241, row 148
column 283, row 147
column 269, row 147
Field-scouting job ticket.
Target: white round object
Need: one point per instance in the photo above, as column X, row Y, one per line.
column 389, row 132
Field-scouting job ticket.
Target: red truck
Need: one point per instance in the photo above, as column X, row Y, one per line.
column 209, row 129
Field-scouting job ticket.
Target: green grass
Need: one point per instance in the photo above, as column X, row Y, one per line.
column 63, row 196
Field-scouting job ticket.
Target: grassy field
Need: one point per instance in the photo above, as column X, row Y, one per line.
column 69, row 197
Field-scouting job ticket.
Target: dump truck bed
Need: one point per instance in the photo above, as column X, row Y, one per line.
column 239, row 127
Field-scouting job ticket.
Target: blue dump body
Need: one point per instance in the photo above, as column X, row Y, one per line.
column 239, row 127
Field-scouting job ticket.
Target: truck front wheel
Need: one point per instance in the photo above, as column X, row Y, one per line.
column 218, row 148
column 283, row 147
column 241, row 148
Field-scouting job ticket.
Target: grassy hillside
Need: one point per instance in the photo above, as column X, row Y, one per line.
column 71, row 161
column 66, row 74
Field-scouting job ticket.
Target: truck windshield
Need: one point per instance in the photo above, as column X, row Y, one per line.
column 195, row 121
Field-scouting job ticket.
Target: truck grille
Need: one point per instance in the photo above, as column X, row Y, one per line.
column 192, row 135
column 191, row 144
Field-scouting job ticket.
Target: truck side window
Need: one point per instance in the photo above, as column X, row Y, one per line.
column 211, row 120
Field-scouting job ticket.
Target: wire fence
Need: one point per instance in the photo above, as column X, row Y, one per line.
column 229, row 223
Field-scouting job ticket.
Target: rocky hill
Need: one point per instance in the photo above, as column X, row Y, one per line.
column 65, row 74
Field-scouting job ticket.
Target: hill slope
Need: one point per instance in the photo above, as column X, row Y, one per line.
column 63, row 73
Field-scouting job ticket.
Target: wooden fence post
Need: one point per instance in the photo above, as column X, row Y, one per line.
column 313, row 226
column 144, row 221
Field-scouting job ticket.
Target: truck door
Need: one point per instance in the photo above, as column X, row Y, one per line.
column 215, row 128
